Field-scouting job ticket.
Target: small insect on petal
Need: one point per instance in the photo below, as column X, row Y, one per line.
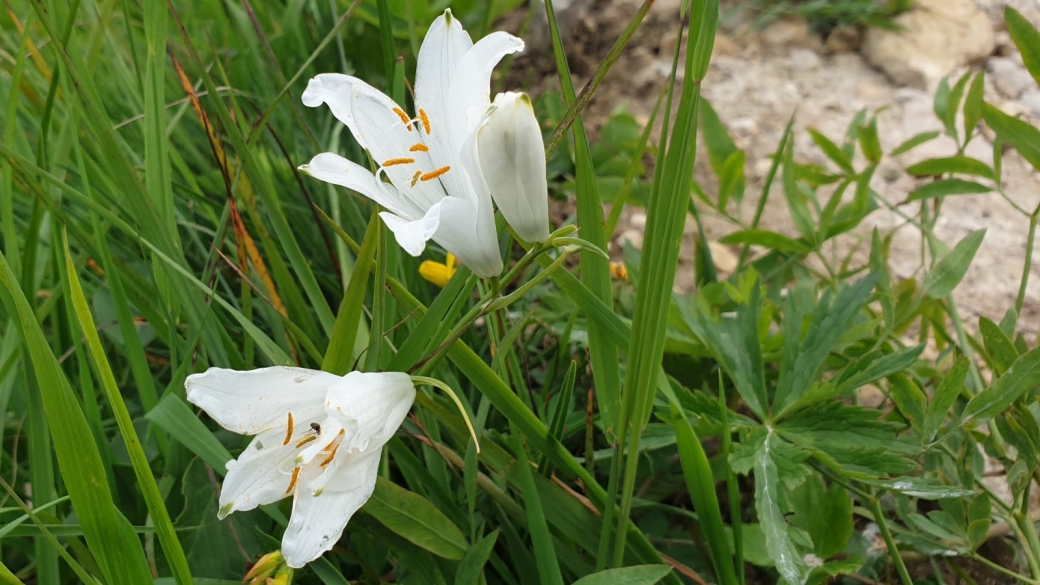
column 434, row 174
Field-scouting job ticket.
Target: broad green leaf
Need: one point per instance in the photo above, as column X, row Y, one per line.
column 909, row 399
column 471, row 567
column 945, row 395
column 944, row 187
column 950, row 269
column 174, row 416
column 779, row 546
column 1001, row 350
column 1026, row 38
column 1018, row 426
column 1023, row 136
column 1023, row 376
column 415, row 519
column 914, row 141
column 768, row 239
column 953, row 164
column 637, row 575
column 825, row 513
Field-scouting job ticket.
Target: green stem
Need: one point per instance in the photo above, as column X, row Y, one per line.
column 1020, row 300
column 893, row 551
column 994, row 566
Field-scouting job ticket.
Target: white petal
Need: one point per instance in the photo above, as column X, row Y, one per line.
column 254, row 401
column 370, row 406
column 262, row 474
column 389, row 139
column 512, row 160
column 413, row 235
column 337, row 170
column 468, row 232
column 318, row 518
column 469, row 94
column 334, row 89
column 330, row 430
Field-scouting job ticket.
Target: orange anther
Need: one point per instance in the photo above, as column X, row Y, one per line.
column 434, row 174
column 332, row 448
column 292, row 482
column 419, row 147
column 306, row 440
column 425, row 120
column 404, row 118
column 398, row 161
column 288, row 431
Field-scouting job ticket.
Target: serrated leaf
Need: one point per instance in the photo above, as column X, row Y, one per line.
column 774, row 527
column 1022, row 376
column 1002, row 352
column 951, row 268
column 945, row 395
column 1021, row 135
column 953, row 164
column 825, row 513
column 414, row 518
column 944, row 187
column 875, row 365
column 909, row 399
column 637, row 575
column 914, row 141
column 767, row 239
column 1026, row 38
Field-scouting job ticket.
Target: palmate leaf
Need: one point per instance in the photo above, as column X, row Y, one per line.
column 779, row 545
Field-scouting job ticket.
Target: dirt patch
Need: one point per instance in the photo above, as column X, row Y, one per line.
column 759, row 78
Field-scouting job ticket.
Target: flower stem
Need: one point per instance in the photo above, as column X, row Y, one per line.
column 424, row 380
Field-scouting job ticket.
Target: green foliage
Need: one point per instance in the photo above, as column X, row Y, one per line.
column 153, row 225
column 825, row 15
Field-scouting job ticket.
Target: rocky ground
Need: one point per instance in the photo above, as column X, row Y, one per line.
column 760, row 77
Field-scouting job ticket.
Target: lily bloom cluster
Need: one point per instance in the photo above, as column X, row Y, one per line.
column 446, row 164
column 318, row 438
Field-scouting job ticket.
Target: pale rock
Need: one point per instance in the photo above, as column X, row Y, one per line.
column 844, row 39
column 1031, row 101
column 934, row 38
column 804, row 59
column 724, row 47
column 724, row 258
column 637, row 221
column 787, row 32
column 762, row 166
column 1010, row 78
column 871, row 396
column 634, row 237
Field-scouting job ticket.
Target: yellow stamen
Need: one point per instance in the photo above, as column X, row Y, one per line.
column 415, row 177
column 434, row 174
column 398, row 161
column 288, row 431
column 436, row 272
column 292, row 482
column 404, row 118
column 419, row 147
column 306, row 440
column 332, row 448
column 425, row 120
column 619, row 271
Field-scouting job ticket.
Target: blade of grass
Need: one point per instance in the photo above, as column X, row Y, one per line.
column 544, row 553
column 665, row 222
column 340, row 355
column 153, row 498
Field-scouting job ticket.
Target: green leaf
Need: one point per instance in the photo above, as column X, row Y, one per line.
column 909, row 399
column 869, row 142
column 637, row 575
column 174, row 416
column 914, row 141
column 121, row 560
column 471, row 567
column 768, row 239
column 945, row 395
column 548, row 567
column 1002, row 352
column 1023, row 376
column 953, row 164
column 796, row 201
column 944, row 187
column 1019, row 134
column 923, row 488
column 731, row 180
column 779, row 546
column 340, row 354
column 826, row 514
column 1026, row 38
column 1019, row 428
column 950, row 269
column 832, row 151
column 953, row 104
column 415, row 519
column 973, row 103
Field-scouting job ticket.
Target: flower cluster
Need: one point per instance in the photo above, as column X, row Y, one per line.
column 446, row 164
column 318, row 438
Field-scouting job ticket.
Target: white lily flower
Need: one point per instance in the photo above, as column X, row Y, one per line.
column 318, row 439
column 435, row 191
column 512, row 162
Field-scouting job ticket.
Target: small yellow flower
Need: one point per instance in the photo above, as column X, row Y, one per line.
column 436, row 272
column 619, row 271
column 269, row 570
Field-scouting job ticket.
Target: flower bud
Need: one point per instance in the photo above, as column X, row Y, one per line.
column 512, row 160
